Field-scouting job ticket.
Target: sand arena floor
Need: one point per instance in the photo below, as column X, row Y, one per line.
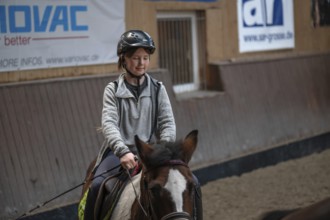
column 287, row 185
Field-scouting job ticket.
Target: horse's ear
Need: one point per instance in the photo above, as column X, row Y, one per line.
column 189, row 145
column 143, row 148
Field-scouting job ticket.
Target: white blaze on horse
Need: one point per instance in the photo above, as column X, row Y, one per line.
column 165, row 188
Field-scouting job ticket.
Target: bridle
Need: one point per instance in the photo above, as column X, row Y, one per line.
column 172, row 215
column 177, row 216
column 168, row 163
column 150, row 213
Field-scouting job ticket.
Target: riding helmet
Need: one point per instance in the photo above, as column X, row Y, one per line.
column 133, row 39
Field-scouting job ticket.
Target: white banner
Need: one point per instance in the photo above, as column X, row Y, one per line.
column 265, row 25
column 41, row 34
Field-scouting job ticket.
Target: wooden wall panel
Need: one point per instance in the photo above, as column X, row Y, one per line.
column 48, row 138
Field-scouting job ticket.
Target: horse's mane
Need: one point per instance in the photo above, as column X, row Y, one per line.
column 164, row 152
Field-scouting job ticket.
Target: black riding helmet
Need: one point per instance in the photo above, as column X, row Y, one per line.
column 134, row 39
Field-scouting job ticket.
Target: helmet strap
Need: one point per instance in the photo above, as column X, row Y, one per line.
column 135, row 77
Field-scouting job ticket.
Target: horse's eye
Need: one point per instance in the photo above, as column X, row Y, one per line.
column 155, row 187
column 191, row 186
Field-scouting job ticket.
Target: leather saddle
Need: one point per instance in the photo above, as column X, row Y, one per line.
column 109, row 194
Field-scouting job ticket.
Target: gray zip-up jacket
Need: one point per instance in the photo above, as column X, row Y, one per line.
column 134, row 117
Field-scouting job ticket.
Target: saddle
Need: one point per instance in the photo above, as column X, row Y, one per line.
column 110, row 192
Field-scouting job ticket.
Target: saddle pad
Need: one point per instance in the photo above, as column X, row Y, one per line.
column 81, row 206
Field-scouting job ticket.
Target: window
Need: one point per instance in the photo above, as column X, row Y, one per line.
column 180, row 51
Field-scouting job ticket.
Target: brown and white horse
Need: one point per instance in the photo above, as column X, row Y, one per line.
column 165, row 188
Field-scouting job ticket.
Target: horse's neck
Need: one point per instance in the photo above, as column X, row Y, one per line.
column 127, row 198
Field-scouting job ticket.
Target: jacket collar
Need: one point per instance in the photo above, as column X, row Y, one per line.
column 123, row 92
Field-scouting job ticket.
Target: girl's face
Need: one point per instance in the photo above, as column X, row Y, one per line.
column 138, row 63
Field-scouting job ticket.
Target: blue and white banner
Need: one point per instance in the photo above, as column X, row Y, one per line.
column 41, row 34
column 265, row 25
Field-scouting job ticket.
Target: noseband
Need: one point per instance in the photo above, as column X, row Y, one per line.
column 172, row 215
column 177, row 216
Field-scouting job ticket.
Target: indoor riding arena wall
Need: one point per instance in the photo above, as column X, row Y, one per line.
column 48, row 129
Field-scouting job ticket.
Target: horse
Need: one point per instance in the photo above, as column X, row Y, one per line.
column 165, row 187
column 317, row 211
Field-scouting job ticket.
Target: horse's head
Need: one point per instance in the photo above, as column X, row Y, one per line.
column 167, row 184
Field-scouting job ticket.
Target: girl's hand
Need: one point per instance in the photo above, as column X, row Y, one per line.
column 128, row 161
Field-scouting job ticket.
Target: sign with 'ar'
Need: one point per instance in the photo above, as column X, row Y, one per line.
column 40, row 34
column 265, row 25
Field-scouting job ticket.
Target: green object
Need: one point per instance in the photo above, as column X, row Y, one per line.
column 81, row 206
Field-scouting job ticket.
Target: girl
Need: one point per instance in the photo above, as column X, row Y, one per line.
column 135, row 104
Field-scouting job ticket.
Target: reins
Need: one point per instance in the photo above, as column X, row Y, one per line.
column 136, row 195
column 65, row 192
column 166, row 163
